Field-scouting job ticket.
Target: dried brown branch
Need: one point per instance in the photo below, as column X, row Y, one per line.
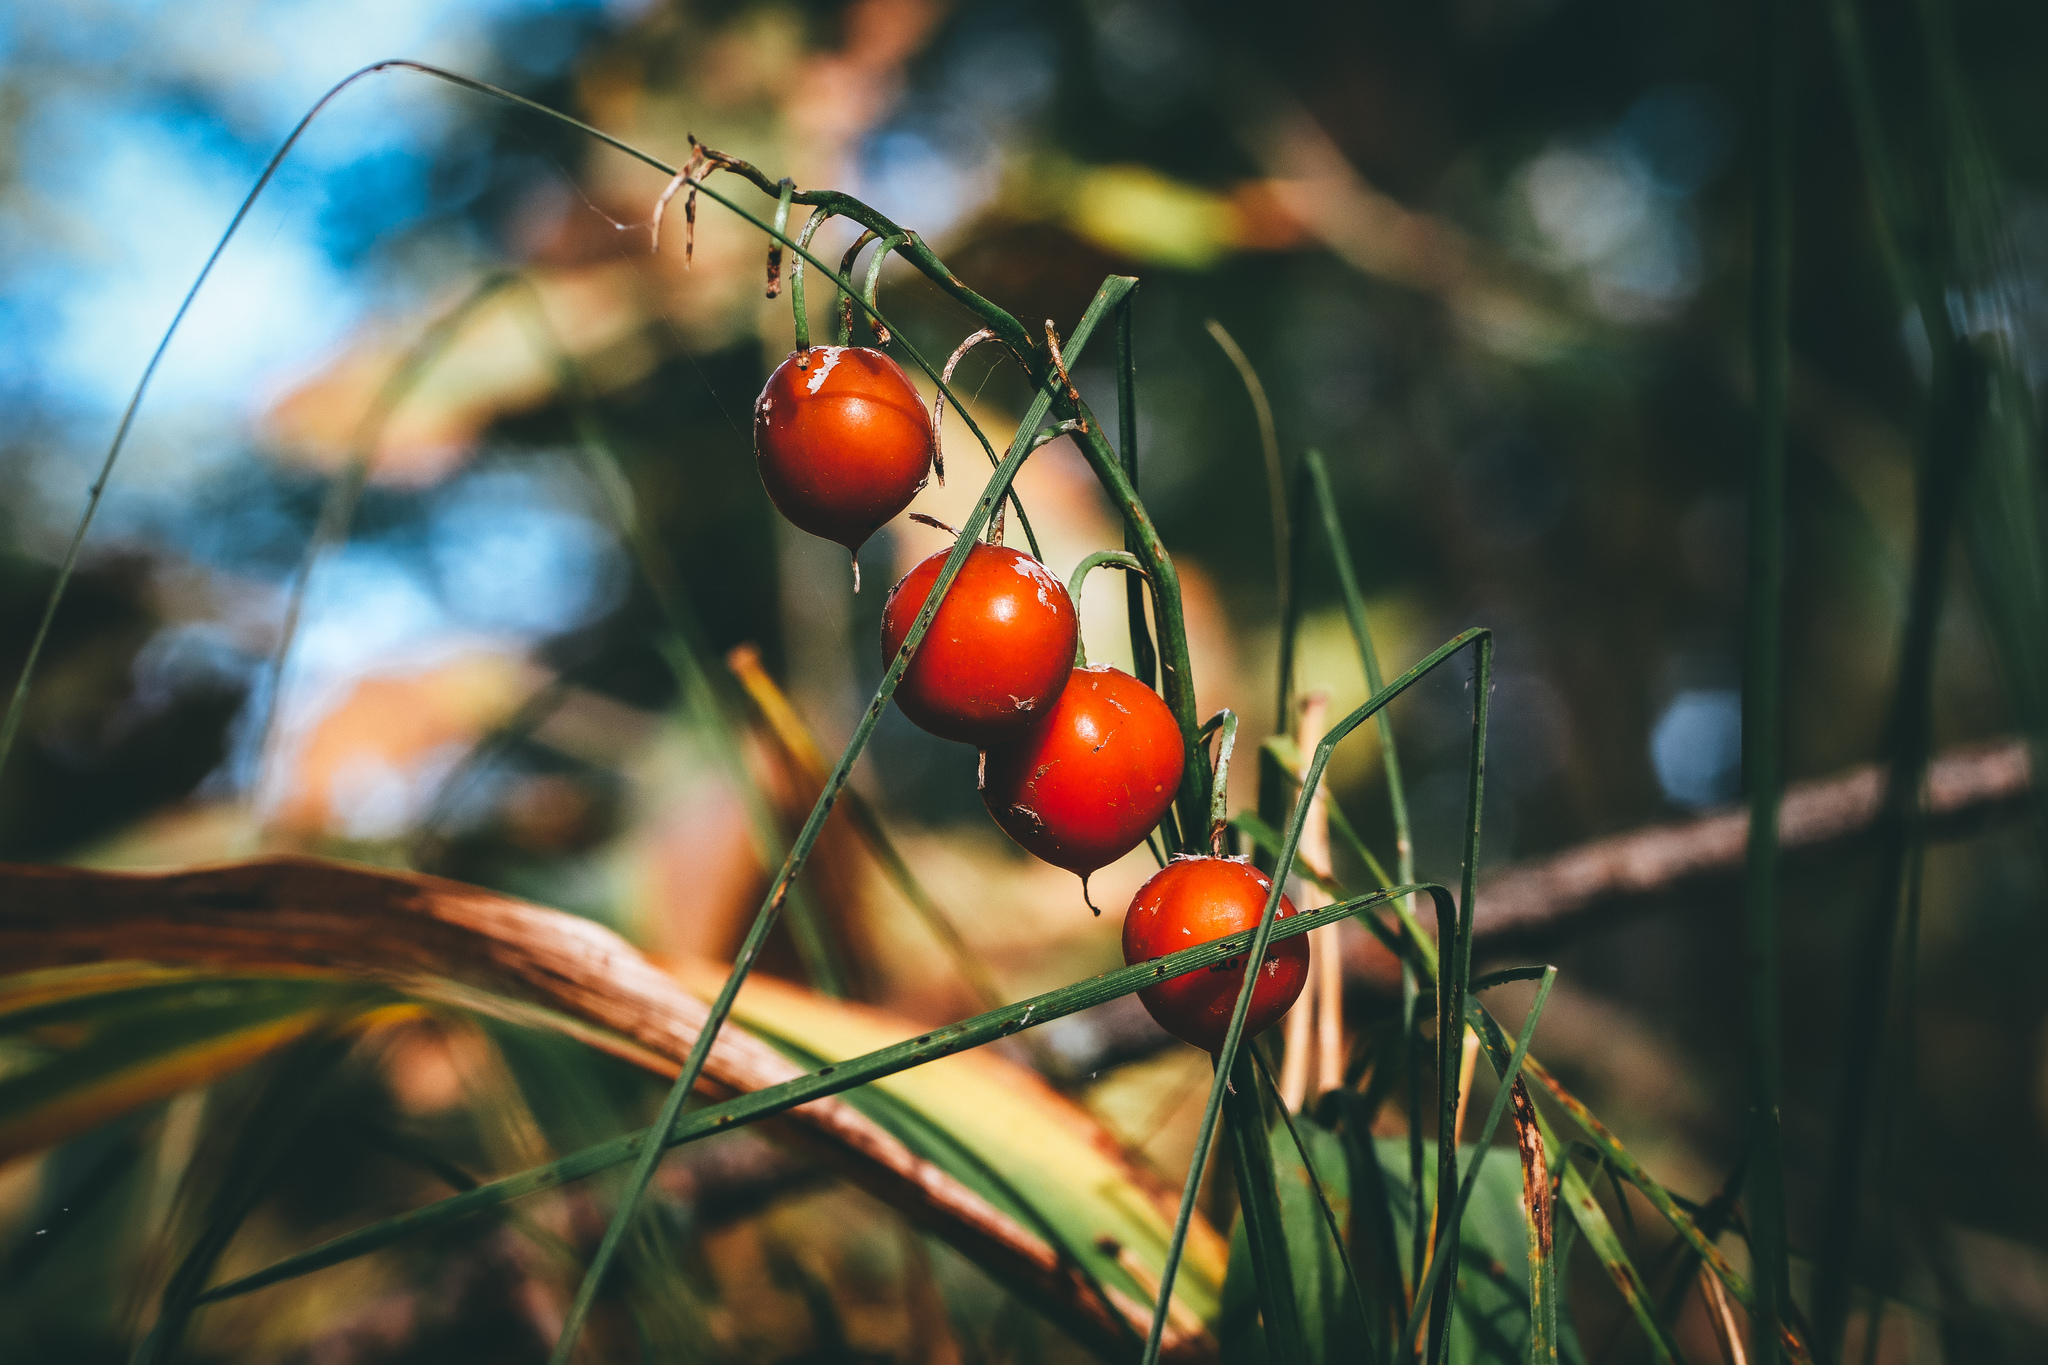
column 447, row 942
column 1548, row 898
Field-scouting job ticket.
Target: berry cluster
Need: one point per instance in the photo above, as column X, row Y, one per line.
column 1079, row 763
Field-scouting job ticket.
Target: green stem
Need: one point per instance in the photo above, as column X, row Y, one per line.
column 1121, row 559
column 1447, row 1238
column 1258, row 1206
column 874, row 281
column 1224, row 721
column 1191, row 806
column 775, row 242
column 1144, row 659
column 1269, row 446
column 1763, row 681
column 801, row 315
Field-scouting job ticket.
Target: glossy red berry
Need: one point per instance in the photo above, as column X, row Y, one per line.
column 998, row 653
column 1192, row 901
column 843, row 441
column 1083, row 785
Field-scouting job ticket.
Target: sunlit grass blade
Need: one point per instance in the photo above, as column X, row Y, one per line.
column 762, row 1104
column 1447, row 914
column 1112, row 290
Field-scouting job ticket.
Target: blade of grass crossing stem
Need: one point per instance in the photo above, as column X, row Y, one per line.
column 1586, row 1211
column 1251, row 1157
column 1144, row 659
column 1771, row 273
column 1205, row 1133
column 1006, row 326
column 835, row 1079
column 1452, row 986
column 1442, row 1261
column 1315, row 1184
column 686, row 648
column 1112, row 290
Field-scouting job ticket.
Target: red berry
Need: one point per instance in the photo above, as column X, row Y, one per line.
column 843, row 441
column 997, row 654
column 1192, row 901
column 1083, row 785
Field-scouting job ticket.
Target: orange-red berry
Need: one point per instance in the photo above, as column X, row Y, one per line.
column 1192, row 901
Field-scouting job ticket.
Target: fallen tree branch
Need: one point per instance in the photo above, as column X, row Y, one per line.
column 1549, row 898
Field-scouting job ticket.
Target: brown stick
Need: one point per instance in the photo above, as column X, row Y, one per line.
column 1550, row 897
column 445, row 941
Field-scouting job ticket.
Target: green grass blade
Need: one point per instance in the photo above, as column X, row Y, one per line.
column 1453, row 988
column 1771, row 276
column 1587, row 1214
column 1144, row 658
column 763, row 1104
column 1205, row 1133
column 1106, row 298
column 1368, row 657
column 1251, row 1156
column 1269, row 448
column 1315, row 1183
column 1447, row 1231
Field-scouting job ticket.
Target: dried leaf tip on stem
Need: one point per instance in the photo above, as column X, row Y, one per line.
column 782, row 201
column 934, row 523
column 939, row 403
column 702, row 160
column 1059, row 364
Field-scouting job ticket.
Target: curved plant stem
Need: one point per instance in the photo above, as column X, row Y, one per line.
column 1120, row 559
column 801, row 316
column 847, row 294
column 889, row 244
